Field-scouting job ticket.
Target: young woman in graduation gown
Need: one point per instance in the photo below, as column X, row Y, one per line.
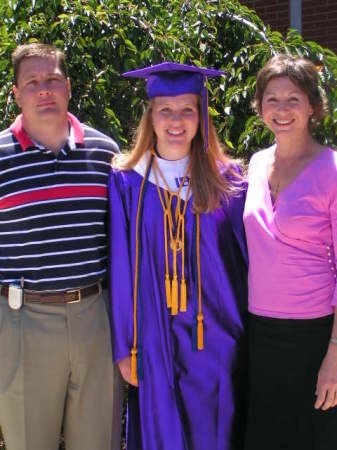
column 178, row 271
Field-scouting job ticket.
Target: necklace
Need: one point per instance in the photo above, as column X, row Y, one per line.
column 275, row 190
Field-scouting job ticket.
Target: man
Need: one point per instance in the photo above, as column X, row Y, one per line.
column 55, row 351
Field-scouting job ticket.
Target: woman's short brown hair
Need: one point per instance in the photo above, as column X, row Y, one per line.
column 301, row 72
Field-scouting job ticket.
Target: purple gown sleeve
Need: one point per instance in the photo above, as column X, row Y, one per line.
column 235, row 214
column 121, row 278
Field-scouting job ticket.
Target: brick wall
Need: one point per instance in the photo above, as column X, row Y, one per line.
column 319, row 22
column 273, row 12
column 319, row 18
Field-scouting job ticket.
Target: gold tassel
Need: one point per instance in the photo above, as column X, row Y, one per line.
column 177, row 239
column 168, row 290
column 183, row 305
column 167, row 275
column 174, row 310
column 134, row 377
column 200, row 332
column 183, row 300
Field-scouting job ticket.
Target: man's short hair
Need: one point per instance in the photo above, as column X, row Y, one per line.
column 40, row 50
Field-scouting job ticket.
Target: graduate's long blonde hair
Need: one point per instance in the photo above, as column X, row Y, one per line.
column 209, row 185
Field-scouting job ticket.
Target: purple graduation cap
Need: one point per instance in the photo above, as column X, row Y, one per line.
column 172, row 79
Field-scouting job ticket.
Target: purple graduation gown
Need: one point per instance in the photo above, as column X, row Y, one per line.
column 187, row 400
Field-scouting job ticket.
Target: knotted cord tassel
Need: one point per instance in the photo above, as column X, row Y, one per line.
column 174, row 310
column 200, row 332
column 134, row 377
column 167, row 275
column 177, row 239
column 168, row 290
column 183, row 304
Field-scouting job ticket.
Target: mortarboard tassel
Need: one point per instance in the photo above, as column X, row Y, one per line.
column 204, row 96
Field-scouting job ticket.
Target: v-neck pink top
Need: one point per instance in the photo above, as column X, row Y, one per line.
column 292, row 244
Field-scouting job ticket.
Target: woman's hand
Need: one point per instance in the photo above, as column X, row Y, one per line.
column 125, row 368
column 326, row 389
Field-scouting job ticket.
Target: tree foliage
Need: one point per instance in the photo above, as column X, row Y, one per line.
column 103, row 38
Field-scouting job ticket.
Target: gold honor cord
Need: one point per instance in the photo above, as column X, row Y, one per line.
column 177, row 243
column 134, row 351
column 200, row 316
column 177, row 240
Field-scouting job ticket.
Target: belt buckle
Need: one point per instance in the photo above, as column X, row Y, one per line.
column 79, row 298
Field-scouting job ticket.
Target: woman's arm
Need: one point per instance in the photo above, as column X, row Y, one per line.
column 326, row 389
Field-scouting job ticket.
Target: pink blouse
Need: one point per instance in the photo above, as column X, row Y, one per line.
column 292, row 245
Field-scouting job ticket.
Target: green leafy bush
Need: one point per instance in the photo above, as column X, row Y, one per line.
column 103, row 38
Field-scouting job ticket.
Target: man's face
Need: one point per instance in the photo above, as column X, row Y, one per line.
column 42, row 91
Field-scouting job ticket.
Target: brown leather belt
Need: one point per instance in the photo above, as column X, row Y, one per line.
column 70, row 296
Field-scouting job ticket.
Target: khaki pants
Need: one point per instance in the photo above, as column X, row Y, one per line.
column 56, row 370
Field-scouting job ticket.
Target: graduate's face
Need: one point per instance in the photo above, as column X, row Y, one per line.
column 175, row 122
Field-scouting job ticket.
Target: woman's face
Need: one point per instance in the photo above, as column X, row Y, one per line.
column 175, row 122
column 285, row 108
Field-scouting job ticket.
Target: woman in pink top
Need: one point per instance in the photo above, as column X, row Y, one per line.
column 291, row 224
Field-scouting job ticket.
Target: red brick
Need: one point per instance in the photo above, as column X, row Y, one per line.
column 284, row 15
column 308, row 3
column 319, row 18
column 331, row 23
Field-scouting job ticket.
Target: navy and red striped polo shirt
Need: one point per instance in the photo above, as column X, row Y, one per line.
column 53, row 208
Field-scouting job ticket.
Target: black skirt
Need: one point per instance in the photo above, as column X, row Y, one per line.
column 284, row 360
